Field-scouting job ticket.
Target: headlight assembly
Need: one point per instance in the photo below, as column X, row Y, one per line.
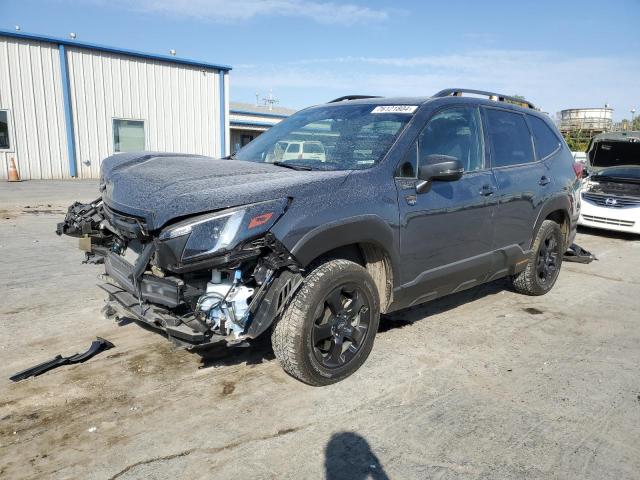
column 214, row 233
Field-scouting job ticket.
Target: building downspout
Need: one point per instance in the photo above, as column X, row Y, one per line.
column 68, row 115
column 223, row 119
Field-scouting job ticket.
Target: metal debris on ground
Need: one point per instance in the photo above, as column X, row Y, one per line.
column 97, row 346
column 576, row 253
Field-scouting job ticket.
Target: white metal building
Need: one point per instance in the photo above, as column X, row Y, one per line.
column 247, row 121
column 65, row 105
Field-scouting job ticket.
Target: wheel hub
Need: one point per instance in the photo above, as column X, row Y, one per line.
column 547, row 266
column 341, row 329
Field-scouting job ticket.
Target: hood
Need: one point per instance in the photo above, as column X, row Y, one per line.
column 607, row 153
column 160, row 187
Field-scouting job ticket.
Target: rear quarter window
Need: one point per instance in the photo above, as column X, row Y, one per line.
column 544, row 138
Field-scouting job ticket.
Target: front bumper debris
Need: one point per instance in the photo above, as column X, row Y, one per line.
column 97, row 346
column 122, row 304
column 577, row 254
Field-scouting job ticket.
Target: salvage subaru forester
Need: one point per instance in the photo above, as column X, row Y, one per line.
column 415, row 198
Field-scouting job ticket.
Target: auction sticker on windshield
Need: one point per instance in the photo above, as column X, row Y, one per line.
column 395, row 109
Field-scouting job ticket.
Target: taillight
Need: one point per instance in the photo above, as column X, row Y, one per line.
column 579, row 169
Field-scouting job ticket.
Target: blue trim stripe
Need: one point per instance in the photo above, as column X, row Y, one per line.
column 223, row 122
column 107, row 49
column 258, row 114
column 255, row 124
column 68, row 117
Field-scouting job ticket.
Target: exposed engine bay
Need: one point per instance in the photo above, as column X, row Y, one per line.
column 215, row 277
column 612, row 186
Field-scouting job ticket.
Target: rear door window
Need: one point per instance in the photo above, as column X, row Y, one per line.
column 544, row 138
column 509, row 137
column 293, row 148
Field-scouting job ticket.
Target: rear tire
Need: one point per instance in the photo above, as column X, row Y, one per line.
column 543, row 267
column 327, row 331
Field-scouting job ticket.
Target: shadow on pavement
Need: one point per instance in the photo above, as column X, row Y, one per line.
column 259, row 350
column 348, row 456
column 405, row 317
column 218, row 355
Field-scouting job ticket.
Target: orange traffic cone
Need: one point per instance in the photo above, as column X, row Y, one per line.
column 14, row 176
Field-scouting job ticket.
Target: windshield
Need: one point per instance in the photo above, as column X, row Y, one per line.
column 337, row 137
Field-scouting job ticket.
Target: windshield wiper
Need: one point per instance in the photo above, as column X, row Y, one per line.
column 292, row 166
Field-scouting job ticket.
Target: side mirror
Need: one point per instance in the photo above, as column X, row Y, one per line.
column 439, row 167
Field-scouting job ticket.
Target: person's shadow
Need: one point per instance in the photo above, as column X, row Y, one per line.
column 349, row 457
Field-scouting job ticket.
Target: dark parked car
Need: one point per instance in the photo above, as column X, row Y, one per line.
column 415, row 198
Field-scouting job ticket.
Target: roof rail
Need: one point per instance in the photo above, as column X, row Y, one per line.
column 352, row 97
column 457, row 92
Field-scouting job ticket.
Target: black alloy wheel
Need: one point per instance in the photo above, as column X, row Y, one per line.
column 543, row 265
column 547, row 261
column 327, row 331
column 341, row 327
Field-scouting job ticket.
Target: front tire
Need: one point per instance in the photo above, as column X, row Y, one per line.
column 543, row 267
column 328, row 330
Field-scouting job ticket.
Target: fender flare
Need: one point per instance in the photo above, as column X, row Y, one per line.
column 559, row 202
column 366, row 228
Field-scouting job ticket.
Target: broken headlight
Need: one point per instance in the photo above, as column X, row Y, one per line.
column 214, row 233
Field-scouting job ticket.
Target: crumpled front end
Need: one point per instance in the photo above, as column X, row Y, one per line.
column 221, row 276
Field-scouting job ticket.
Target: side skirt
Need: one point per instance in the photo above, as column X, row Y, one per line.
column 459, row 276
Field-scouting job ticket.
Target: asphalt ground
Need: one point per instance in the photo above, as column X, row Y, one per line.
column 482, row 384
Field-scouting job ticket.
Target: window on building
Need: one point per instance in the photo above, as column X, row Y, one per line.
column 510, row 138
column 245, row 139
column 128, row 135
column 545, row 140
column 5, row 144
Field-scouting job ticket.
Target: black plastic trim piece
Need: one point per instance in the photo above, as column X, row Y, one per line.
column 274, row 301
column 164, row 291
column 97, row 346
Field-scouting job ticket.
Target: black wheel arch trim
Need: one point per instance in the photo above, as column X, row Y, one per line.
column 559, row 202
column 368, row 228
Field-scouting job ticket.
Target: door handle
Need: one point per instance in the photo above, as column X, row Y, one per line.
column 544, row 180
column 487, row 190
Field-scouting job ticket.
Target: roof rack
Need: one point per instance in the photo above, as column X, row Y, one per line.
column 352, row 97
column 498, row 97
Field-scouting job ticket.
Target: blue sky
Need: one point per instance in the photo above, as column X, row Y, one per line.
column 559, row 54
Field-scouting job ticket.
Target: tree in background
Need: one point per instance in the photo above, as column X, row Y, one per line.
column 577, row 141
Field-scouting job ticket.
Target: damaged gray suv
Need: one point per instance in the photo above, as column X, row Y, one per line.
column 413, row 199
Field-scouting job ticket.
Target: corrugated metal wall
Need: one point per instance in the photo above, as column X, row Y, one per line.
column 178, row 103
column 31, row 91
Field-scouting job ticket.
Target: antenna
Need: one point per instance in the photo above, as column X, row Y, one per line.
column 172, row 52
column 270, row 100
column 72, row 35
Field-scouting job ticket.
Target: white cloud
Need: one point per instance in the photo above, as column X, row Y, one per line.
column 550, row 80
column 241, row 10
